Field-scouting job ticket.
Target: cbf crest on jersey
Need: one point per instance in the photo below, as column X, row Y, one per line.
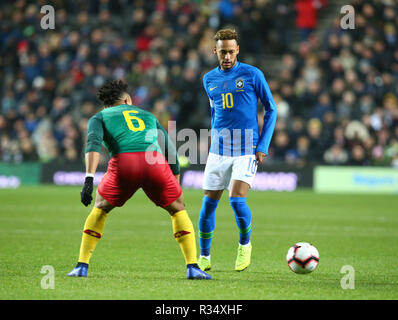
column 239, row 83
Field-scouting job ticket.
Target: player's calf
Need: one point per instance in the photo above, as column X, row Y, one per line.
column 184, row 234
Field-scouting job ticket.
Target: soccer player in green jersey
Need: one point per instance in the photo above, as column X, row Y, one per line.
column 131, row 136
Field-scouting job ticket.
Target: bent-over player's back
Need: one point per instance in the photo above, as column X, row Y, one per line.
column 124, row 128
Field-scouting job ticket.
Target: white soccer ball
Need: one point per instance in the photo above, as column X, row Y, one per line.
column 302, row 258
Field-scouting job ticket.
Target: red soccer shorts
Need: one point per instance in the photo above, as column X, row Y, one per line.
column 127, row 172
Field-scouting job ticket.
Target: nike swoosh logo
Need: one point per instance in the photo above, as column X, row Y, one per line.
column 213, row 88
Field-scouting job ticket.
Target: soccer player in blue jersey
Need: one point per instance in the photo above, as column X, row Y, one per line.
column 233, row 89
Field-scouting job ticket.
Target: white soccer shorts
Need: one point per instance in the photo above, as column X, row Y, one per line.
column 221, row 170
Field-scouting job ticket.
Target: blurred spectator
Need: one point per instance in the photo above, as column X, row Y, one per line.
column 358, row 156
column 10, row 150
column 323, row 106
column 391, row 153
column 335, row 155
column 28, row 150
column 356, row 132
column 303, row 149
column 307, row 16
column 284, row 20
column 317, row 141
column 283, row 107
column 161, row 112
column 281, row 146
column 48, row 147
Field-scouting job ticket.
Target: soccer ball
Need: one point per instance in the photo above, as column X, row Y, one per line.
column 302, row 258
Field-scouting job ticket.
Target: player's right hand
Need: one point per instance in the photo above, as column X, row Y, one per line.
column 86, row 193
column 260, row 157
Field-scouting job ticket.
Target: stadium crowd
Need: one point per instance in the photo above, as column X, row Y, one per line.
column 337, row 96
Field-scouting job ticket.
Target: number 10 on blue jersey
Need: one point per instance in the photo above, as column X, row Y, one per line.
column 227, row 100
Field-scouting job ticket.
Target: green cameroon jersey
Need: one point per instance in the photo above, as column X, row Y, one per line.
column 127, row 128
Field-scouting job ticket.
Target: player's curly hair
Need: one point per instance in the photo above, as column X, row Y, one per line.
column 111, row 91
column 226, row 34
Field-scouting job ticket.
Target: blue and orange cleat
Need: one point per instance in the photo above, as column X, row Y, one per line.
column 79, row 271
column 194, row 272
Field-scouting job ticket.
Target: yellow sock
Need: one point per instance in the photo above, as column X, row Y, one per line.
column 185, row 235
column 92, row 232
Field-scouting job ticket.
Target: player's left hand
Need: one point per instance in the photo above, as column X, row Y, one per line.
column 260, row 157
column 86, row 193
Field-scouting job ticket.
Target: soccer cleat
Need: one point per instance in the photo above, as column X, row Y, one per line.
column 204, row 263
column 79, row 271
column 194, row 272
column 243, row 258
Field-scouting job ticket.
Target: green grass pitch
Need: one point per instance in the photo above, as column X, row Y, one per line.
column 138, row 258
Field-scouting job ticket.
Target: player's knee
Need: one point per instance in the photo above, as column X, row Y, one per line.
column 237, row 195
column 239, row 189
column 180, row 204
column 213, row 194
column 102, row 204
column 176, row 206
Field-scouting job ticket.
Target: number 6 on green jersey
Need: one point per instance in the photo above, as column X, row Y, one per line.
column 129, row 120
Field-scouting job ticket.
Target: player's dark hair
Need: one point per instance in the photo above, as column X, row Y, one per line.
column 226, row 34
column 111, row 91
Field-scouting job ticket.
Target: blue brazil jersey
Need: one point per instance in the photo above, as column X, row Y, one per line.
column 233, row 96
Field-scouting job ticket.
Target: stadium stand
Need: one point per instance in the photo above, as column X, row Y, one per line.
column 337, row 95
